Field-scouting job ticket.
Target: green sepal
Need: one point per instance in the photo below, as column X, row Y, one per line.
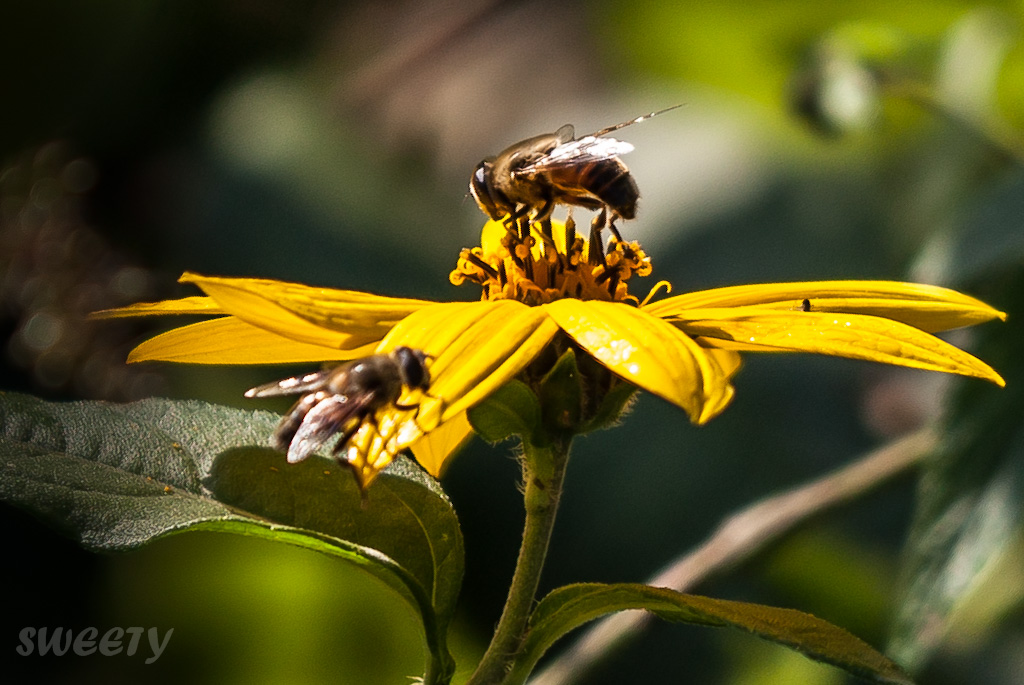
column 561, row 395
column 511, row 410
column 615, row 403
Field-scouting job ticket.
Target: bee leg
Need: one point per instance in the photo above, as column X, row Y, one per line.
column 513, row 223
column 611, row 227
column 517, row 228
column 524, row 228
column 511, row 226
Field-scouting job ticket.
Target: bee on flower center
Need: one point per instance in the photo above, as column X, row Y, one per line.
column 336, row 401
column 529, row 179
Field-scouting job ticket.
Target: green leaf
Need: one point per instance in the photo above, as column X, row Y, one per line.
column 971, row 497
column 571, row 606
column 512, row 409
column 115, row 477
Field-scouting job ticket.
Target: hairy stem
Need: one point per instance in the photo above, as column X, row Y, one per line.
column 543, row 475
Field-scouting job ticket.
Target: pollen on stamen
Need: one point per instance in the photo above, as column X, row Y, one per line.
column 536, row 271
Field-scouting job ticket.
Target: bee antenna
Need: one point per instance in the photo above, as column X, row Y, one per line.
column 645, row 117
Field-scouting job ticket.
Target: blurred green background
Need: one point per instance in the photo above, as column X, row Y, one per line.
column 331, row 143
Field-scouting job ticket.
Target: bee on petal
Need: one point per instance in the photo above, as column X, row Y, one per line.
column 336, row 401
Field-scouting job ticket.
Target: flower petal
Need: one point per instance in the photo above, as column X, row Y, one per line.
column 229, row 340
column 843, row 335
column 928, row 307
column 477, row 347
column 728, row 363
column 436, row 447
column 647, row 352
column 196, row 304
column 313, row 315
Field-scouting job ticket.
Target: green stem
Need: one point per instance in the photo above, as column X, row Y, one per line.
column 543, row 475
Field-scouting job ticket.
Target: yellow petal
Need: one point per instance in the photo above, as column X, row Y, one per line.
column 434, row 450
column 228, row 340
column 477, row 347
column 647, row 352
column 927, row 307
column 842, row 335
column 377, row 441
column 313, row 315
column 367, row 452
column 728, row 363
column 197, row 304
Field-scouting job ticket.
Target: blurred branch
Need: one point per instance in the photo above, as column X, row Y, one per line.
column 1000, row 138
column 740, row 537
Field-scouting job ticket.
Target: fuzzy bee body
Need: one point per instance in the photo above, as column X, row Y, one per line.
column 529, row 179
column 336, row 401
column 605, row 182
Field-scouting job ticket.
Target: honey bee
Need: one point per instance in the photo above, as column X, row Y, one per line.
column 335, row 401
column 530, row 178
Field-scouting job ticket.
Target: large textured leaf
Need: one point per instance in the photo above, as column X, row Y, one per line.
column 971, row 499
column 115, row 477
column 571, row 606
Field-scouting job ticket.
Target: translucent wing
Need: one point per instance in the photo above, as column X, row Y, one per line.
column 582, row 151
column 637, row 120
column 333, row 414
column 308, row 382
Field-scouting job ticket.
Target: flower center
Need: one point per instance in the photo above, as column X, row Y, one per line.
column 512, row 264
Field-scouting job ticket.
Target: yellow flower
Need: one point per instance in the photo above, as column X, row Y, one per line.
column 684, row 349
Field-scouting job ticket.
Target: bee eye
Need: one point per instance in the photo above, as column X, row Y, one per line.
column 480, row 175
column 478, row 183
column 480, row 189
column 411, row 363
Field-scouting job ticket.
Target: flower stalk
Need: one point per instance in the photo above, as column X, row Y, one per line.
column 543, row 476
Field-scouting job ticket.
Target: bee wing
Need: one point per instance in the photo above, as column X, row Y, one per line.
column 582, row 151
column 637, row 120
column 309, row 382
column 332, row 415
